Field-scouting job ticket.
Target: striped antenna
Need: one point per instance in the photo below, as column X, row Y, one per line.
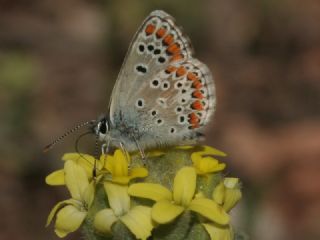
column 51, row 145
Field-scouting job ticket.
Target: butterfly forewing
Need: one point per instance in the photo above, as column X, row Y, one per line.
column 163, row 95
column 157, row 42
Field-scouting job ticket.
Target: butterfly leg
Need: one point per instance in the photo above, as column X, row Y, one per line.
column 142, row 154
column 125, row 152
column 105, row 148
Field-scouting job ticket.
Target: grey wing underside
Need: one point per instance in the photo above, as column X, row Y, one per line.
column 129, row 81
column 172, row 100
column 174, row 111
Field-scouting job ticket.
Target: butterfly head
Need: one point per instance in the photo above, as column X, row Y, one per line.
column 102, row 127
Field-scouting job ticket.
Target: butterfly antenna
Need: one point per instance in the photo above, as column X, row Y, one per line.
column 77, row 146
column 51, row 145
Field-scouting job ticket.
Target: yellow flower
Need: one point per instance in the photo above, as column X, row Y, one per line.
column 137, row 219
column 71, row 213
column 117, row 165
column 84, row 160
column 204, row 163
column 169, row 205
column 217, row 232
column 227, row 193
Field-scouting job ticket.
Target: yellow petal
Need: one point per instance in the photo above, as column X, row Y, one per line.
column 151, row 191
column 118, row 197
column 121, row 179
column 232, row 197
column 210, row 210
column 165, row 212
column 155, row 153
column 117, row 164
column 217, row 232
column 184, row 186
column 57, row 207
column 205, row 165
column 88, row 195
column 56, row 178
column 139, row 221
column 232, row 193
column 84, row 160
column 231, row 182
column 199, row 195
column 219, row 193
column 138, row 172
column 186, row 147
column 207, row 150
column 68, row 220
column 76, row 179
column 104, row 220
column 108, row 164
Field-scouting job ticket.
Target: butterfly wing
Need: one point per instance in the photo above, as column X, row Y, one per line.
column 162, row 95
column 156, row 35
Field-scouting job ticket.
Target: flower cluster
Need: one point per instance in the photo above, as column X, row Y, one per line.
column 183, row 186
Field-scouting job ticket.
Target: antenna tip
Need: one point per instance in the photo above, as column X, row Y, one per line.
column 47, row 148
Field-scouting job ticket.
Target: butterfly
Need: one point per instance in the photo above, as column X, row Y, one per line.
column 163, row 96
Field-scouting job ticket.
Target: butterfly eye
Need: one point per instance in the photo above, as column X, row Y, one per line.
column 102, row 127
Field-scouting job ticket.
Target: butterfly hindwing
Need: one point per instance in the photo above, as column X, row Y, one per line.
column 175, row 103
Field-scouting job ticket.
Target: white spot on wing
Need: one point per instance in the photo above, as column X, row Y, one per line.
column 162, row 102
column 140, row 103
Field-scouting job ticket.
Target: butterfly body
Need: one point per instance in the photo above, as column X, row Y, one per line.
column 163, row 96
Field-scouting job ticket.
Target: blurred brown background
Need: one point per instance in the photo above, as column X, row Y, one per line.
column 59, row 61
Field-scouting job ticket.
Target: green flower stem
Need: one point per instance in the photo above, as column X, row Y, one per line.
column 162, row 170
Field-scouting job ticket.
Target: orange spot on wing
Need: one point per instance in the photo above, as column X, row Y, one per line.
column 191, row 76
column 168, row 40
column 176, row 57
column 193, row 118
column 197, row 84
column 170, row 69
column 181, row 71
column 150, row 29
column 197, row 105
column 197, row 94
column 173, row 49
column 160, row 33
